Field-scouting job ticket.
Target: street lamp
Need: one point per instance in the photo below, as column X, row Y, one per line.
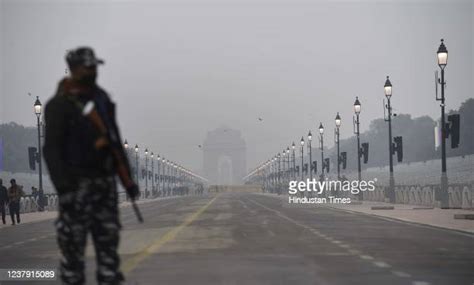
column 357, row 109
column 146, row 172
column 283, row 170
column 288, row 170
column 163, row 178
column 38, row 107
column 338, row 125
column 310, row 136
column 321, row 137
column 294, row 160
column 442, row 62
column 152, row 174
column 125, row 145
column 279, row 174
column 302, row 153
column 158, row 159
column 388, row 95
column 136, row 162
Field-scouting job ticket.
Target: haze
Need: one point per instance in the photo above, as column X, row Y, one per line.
column 178, row 69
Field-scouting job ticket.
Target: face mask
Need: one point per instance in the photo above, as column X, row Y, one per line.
column 89, row 79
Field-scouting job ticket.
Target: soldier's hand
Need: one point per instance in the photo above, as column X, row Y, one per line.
column 133, row 192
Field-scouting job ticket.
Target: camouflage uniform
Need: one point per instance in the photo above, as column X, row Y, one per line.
column 83, row 174
column 92, row 207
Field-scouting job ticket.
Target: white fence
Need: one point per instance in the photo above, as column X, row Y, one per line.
column 460, row 196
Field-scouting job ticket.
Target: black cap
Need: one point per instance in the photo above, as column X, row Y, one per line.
column 82, row 56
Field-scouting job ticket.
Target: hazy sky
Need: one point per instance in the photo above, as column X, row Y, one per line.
column 180, row 68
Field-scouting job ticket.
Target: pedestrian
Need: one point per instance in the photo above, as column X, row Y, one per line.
column 34, row 192
column 15, row 192
column 83, row 161
column 3, row 200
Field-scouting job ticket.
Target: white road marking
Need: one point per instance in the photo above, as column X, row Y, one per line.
column 354, row 251
column 381, row 264
column 401, row 274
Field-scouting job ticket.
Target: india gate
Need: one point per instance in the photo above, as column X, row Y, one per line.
column 224, row 153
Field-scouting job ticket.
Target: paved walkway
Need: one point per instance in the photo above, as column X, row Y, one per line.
column 443, row 218
column 33, row 217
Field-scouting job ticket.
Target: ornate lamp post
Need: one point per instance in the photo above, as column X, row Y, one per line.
column 388, row 95
column 357, row 109
column 152, row 174
column 279, row 173
column 38, row 108
column 136, row 163
column 294, row 161
column 321, row 145
column 163, row 177
column 288, row 169
column 158, row 159
column 310, row 136
column 338, row 125
column 442, row 62
column 146, row 173
column 302, row 156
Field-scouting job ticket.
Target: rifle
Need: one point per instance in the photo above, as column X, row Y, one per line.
column 110, row 138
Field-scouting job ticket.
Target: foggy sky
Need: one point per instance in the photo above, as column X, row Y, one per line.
column 178, row 69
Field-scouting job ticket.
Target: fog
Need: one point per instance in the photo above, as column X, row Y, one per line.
column 178, row 69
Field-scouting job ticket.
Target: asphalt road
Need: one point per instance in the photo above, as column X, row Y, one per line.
column 244, row 238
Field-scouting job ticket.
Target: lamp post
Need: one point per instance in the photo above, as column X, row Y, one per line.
column 167, row 180
column 321, row 137
column 388, row 95
column 146, row 173
column 279, row 173
column 175, row 174
column 136, row 163
column 310, row 136
column 158, row 158
column 288, row 170
column 38, row 108
column 338, row 125
column 152, row 174
column 357, row 108
column 283, row 170
column 442, row 62
column 275, row 174
column 163, row 177
column 302, row 157
column 294, row 161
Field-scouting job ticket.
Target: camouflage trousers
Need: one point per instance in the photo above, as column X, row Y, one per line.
column 90, row 208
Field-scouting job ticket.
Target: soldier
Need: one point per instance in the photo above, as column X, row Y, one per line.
column 82, row 166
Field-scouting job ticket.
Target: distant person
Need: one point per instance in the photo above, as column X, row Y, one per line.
column 15, row 192
column 3, row 200
column 34, row 192
column 83, row 161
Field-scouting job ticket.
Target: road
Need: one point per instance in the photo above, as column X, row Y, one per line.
column 245, row 238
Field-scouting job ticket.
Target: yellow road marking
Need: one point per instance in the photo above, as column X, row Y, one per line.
column 131, row 263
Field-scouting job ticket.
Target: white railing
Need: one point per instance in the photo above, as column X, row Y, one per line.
column 460, row 195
